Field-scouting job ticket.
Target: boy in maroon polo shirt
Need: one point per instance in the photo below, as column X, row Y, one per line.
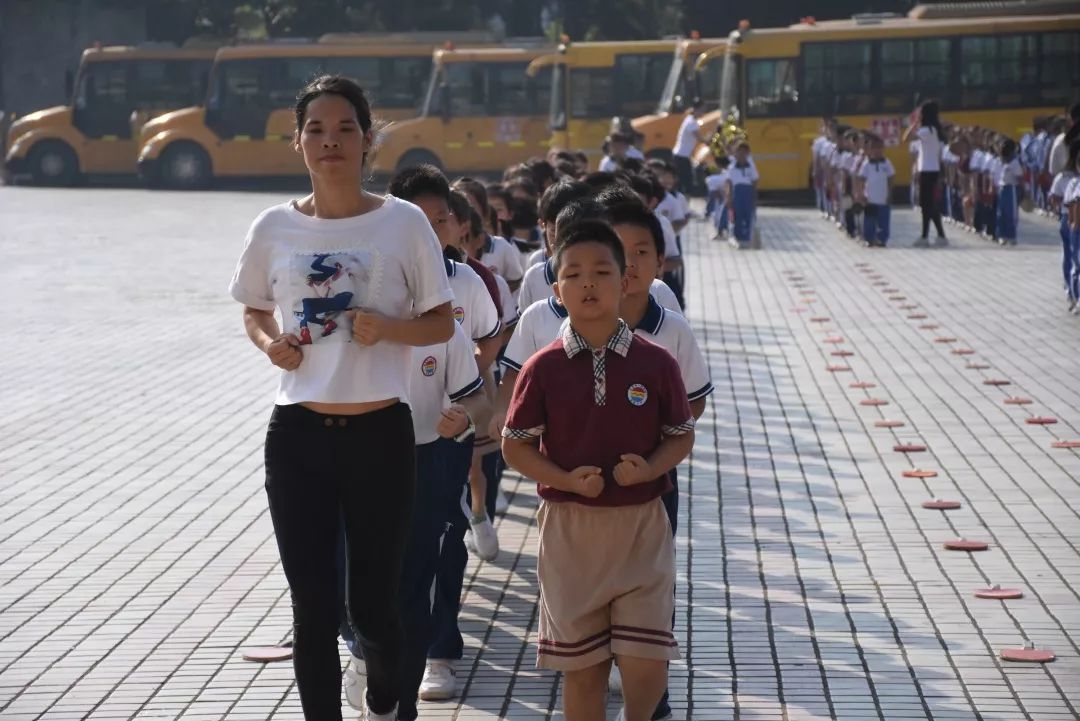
column 599, row 418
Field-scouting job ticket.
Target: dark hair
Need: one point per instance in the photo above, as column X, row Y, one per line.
column 648, row 185
column 581, row 157
column 632, row 165
column 619, row 138
column 543, row 172
column 498, row 190
column 412, row 183
column 566, row 169
column 474, row 189
column 564, row 155
column 523, row 214
column 1074, row 112
column 459, row 206
column 524, row 183
column 659, row 165
column 557, row 196
column 578, row 210
column 631, row 211
column 1008, row 149
column 591, row 230
column 929, row 117
column 476, row 223
column 1074, row 155
column 334, row 85
column 599, row 180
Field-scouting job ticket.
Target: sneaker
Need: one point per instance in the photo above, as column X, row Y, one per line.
column 369, row 715
column 484, row 539
column 502, row 503
column 734, row 243
column 356, row 683
column 921, row 243
column 941, row 242
column 614, row 681
column 440, row 682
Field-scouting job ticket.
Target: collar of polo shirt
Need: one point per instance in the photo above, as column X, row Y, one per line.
column 451, row 268
column 619, row 341
column 549, row 271
column 653, row 318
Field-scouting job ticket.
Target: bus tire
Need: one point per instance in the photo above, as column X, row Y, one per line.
column 53, row 163
column 184, row 166
column 416, row 157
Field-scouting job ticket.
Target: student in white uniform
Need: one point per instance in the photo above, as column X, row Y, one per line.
column 536, row 285
column 875, row 190
column 359, row 281
column 716, row 184
column 1056, row 198
column 931, row 138
column 742, row 179
column 496, row 253
column 1009, row 177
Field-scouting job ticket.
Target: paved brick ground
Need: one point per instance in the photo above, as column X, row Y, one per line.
column 137, row 558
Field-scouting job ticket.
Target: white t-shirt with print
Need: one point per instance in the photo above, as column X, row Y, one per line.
column 687, row 139
column 474, row 309
column 312, row 270
column 438, row 376
column 877, row 174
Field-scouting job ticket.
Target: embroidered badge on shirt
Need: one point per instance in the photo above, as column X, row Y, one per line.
column 637, row 394
column 428, row 366
column 459, row 314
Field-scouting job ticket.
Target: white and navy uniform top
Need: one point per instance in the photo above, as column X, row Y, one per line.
column 544, row 321
column 474, row 310
column 540, row 278
column 717, row 182
column 608, row 164
column 1060, row 186
column 441, row 374
column 672, row 208
column 502, row 258
column 876, row 173
column 1072, row 191
column 539, row 256
column 742, row 176
column 671, row 245
column 509, row 310
column 1009, row 173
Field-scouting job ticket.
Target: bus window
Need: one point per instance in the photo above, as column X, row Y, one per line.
column 639, row 80
column 237, row 104
column 364, row 70
column 592, row 93
column 837, row 78
column 770, row 88
column 165, row 85
column 557, row 116
column 102, row 107
column 912, row 71
column 508, row 94
column 997, row 71
column 1060, row 68
column 403, row 81
column 467, row 89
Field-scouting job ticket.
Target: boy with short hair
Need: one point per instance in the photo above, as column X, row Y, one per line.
column 742, row 182
column 599, row 418
column 536, row 285
column 875, row 190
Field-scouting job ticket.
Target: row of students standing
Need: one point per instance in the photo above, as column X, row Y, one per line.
column 852, row 181
column 1044, row 152
column 732, row 196
column 984, row 183
column 406, row 369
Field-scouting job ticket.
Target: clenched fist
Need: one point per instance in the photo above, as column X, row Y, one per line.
column 453, row 422
column 284, row 352
column 588, row 480
column 633, row 470
column 368, row 328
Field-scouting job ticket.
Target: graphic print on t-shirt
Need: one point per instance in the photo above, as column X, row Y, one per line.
column 332, row 283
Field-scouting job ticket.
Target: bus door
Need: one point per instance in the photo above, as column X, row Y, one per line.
column 514, row 126
column 237, row 110
column 460, row 102
column 772, row 119
column 102, row 114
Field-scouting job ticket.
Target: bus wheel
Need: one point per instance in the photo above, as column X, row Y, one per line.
column 53, row 163
column 414, row 158
column 184, row 166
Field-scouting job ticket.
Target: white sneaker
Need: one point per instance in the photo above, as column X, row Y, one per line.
column 369, row 715
column 440, row 682
column 502, row 503
column 356, row 683
column 482, row 539
column 614, row 681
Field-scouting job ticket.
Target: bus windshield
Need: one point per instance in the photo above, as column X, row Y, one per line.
column 487, row 89
column 142, row 84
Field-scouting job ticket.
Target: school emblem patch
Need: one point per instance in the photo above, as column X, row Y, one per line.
column 428, row 366
column 459, row 314
column 637, row 394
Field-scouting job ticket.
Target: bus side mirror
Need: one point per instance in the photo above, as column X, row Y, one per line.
column 69, row 83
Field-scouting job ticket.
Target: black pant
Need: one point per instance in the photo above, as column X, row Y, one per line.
column 685, row 172
column 321, row 471
column 928, row 202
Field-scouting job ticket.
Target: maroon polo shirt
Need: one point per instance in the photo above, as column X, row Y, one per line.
column 555, row 399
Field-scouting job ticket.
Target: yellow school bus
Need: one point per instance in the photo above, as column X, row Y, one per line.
column 116, row 90
column 592, row 82
column 996, row 71
column 659, row 128
column 482, row 113
column 245, row 128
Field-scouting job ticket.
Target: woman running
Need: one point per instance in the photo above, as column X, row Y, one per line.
column 340, row 446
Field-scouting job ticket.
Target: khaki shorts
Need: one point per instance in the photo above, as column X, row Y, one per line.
column 607, row 584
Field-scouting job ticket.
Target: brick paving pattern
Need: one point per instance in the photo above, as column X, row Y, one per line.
column 137, row 558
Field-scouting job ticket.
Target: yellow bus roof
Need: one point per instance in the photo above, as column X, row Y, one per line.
column 601, row 54
column 329, row 49
column 489, row 55
column 147, row 52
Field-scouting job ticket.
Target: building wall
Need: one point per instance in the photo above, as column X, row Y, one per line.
column 41, row 41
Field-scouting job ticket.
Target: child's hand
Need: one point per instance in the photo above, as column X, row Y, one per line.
column 453, row 422
column 633, row 470
column 587, row 480
column 284, row 352
column 495, row 427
